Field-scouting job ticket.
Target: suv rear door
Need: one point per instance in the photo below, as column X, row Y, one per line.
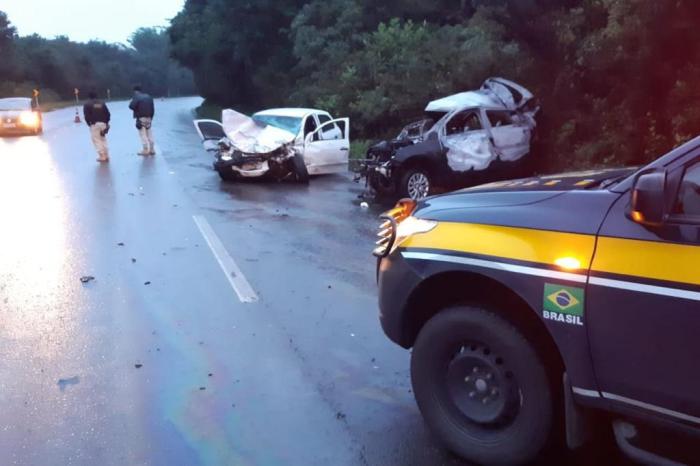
column 511, row 139
column 643, row 304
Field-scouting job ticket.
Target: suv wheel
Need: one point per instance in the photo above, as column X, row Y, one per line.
column 481, row 386
column 299, row 166
column 416, row 183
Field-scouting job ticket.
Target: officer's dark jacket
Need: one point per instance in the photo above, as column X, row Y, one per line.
column 95, row 111
column 142, row 105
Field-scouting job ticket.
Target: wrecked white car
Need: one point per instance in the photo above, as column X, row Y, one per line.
column 285, row 143
column 466, row 139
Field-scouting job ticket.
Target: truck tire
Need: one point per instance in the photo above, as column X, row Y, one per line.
column 416, row 183
column 481, row 387
column 300, row 172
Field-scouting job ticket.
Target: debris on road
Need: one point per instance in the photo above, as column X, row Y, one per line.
column 63, row 383
column 340, row 415
column 202, row 388
column 364, row 205
column 120, row 244
column 133, row 261
column 138, row 365
column 86, row 278
column 146, row 283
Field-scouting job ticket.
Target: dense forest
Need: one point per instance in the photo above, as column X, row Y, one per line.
column 57, row 66
column 617, row 79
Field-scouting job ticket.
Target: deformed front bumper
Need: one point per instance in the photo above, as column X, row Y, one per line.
column 245, row 168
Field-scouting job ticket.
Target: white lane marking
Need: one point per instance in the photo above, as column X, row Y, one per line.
column 234, row 275
column 572, row 277
column 643, row 288
column 650, row 407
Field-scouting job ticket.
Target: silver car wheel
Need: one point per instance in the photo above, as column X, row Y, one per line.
column 418, row 186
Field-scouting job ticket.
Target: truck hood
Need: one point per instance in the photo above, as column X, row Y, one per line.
column 518, row 193
column 251, row 137
column 590, row 179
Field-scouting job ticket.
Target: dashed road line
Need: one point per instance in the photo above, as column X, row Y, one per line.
column 233, row 273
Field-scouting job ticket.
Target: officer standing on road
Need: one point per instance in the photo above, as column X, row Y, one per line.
column 97, row 117
column 144, row 109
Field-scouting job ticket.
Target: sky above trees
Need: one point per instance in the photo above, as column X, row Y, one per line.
column 84, row 20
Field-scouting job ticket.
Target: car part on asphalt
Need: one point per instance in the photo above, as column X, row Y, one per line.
column 466, row 139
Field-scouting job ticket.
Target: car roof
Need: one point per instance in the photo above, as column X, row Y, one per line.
column 15, row 103
column 290, row 112
column 463, row 100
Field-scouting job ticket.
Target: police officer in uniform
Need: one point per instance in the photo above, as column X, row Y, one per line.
column 97, row 118
column 144, row 109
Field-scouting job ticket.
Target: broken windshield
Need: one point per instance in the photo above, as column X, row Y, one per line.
column 287, row 123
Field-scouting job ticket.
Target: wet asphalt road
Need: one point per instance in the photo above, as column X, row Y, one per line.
column 157, row 360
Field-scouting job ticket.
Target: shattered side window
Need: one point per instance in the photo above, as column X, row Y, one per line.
column 463, row 122
column 499, row 118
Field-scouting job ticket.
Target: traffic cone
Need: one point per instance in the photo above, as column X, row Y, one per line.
column 77, row 116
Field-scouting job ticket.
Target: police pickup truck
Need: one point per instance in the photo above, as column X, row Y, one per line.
column 532, row 304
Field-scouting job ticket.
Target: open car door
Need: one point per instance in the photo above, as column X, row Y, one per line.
column 326, row 150
column 211, row 132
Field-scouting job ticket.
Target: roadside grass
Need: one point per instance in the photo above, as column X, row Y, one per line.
column 358, row 151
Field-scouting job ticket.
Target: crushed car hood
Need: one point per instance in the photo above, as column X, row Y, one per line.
column 512, row 193
column 251, row 137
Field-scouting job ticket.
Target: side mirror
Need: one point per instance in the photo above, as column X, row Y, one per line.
column 648, row 205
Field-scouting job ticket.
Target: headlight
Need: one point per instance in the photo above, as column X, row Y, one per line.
column 412, row 226
column 29, row 119
column 226, row 157
column 398, row 225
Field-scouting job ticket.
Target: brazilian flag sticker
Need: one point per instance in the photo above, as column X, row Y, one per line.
column 563, row 299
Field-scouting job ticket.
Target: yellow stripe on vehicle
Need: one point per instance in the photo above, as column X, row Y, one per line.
column 512, row 243
column 655, row 260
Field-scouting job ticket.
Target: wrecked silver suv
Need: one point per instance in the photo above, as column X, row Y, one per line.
column 465, row 139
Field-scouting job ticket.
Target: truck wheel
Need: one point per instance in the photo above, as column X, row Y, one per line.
column 416, row 183
column 227, row 174
column 300, row 171
column 481, row 387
